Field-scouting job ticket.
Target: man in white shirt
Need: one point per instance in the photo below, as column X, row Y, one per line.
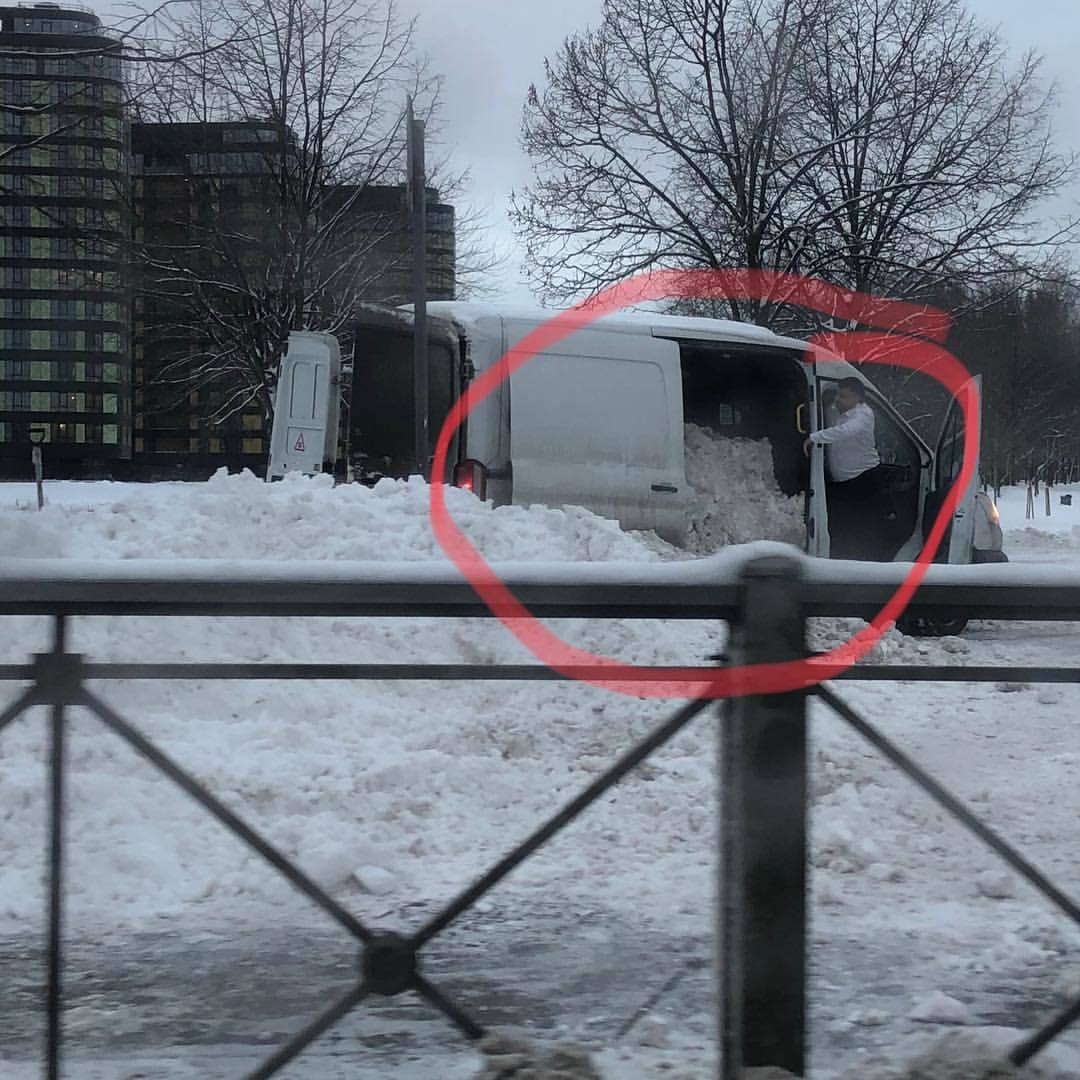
column 854, row 485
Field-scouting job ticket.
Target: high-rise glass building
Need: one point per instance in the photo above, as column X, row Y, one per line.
column 65, row 366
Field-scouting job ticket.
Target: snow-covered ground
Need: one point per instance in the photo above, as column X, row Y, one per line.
column 394, row 796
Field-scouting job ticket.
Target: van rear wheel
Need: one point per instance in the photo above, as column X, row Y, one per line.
column 943, row 624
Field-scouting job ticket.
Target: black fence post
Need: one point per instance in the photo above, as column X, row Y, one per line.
column 762, row 917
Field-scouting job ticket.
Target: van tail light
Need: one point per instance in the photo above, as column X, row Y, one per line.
column 471, row 476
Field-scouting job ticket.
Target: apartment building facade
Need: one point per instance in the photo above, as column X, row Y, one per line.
column 65, row 372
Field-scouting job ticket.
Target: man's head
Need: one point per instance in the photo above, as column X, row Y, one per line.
column 849, row 392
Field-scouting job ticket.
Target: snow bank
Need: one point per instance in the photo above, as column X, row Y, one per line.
column 736, row 497
column 384, row 790
column 1062, row 520
column 980, row 1054
column 241, row 517
column 386, row 793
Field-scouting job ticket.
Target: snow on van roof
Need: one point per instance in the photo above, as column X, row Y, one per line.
column 469, row 313
column 620, row 320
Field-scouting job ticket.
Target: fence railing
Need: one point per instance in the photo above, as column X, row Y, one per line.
column 762, row 741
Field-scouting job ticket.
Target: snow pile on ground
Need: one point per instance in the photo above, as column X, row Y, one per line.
column 736, row 498
column 508, row 1055
column 1044, row 533
column 968, row 1055
column 241, row 517
column 384, row 792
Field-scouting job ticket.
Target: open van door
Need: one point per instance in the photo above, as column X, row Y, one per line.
column 948, row 461
column 304, row 435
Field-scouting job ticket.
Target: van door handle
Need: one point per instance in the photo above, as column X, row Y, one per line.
column 664, row 487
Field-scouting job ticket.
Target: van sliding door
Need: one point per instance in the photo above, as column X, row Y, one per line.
column 602, row 428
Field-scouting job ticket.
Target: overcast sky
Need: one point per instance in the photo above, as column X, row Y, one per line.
column 490, row 50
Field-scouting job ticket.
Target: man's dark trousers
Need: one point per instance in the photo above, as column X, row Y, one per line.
column 857, row 516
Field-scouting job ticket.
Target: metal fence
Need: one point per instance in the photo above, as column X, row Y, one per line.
column 762, row 742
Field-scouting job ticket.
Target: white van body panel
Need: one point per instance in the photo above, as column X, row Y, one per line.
column 596, row 421
column 307, row 406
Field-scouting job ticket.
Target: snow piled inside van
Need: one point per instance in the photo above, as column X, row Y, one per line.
column 736, row 498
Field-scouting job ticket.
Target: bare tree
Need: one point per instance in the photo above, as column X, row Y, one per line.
column 663, row 138
column 299, row 249
column 881, row 146
column 941, row 154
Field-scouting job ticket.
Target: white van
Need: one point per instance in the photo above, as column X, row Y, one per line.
column 598, row 420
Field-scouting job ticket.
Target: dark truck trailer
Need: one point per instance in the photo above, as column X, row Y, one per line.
column 381, row 396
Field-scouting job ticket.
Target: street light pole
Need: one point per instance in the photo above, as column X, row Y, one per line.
column 37, row 437
column 417, row 188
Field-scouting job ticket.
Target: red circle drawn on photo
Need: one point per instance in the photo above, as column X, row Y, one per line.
column 905, row 335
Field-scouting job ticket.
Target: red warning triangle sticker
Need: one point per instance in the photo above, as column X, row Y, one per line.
column 299, row 444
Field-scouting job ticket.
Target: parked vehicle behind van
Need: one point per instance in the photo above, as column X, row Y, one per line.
column 598, row 421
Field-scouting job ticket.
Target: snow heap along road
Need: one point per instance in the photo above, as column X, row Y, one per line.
column 394, row 793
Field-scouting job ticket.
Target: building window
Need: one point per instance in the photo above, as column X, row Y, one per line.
column 19, row 215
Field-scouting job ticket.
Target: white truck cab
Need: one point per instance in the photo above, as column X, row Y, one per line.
column 597, row 420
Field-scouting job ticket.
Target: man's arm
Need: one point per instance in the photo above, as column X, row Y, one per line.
column 852, row 423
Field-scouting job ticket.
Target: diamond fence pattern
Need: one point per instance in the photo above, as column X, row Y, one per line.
column 761, row 918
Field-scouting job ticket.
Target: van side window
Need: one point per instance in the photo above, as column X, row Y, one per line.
column 950, row 459
column 895, row 446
